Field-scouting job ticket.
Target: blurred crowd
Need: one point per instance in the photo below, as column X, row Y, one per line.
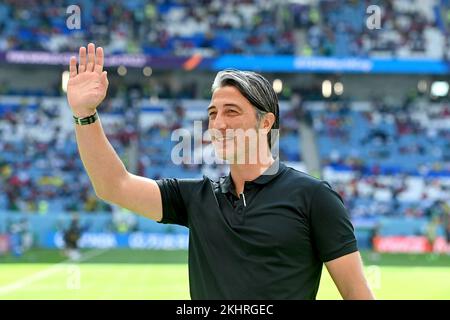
column 158, row 27
column 398, row 28
column 394, row 196
column 381, row 138
column 405, row 28
column 40, row 168
column 399, row 155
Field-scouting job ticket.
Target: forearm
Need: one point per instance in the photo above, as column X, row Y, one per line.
column 361, row 292
column 348, row 275
column 104, row 167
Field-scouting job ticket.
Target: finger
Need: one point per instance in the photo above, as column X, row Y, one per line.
column 99, row 60
column 91, row 57
column 82, row 63
column 73, row 67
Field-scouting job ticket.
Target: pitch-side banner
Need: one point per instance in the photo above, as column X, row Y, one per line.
column 278, row 63
column 410, row 244
column 4, row 243
column 137, row 240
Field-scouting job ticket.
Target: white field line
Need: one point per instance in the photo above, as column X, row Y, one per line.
column 24, row 282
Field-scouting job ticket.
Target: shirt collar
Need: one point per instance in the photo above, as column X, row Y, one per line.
column 226, row 182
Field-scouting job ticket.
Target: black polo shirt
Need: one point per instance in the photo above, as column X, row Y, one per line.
column 271, row 247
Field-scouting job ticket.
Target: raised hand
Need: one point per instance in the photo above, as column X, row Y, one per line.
column 87, row 86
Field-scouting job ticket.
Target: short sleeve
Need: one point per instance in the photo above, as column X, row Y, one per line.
column 332, row 231
column 173, row 204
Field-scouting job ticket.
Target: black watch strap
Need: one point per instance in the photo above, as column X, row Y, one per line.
column 86, row 120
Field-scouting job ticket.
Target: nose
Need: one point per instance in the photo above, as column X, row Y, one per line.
column 218, row 123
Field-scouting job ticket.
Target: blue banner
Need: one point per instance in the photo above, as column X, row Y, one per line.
column 137, row 240
column 331, row 65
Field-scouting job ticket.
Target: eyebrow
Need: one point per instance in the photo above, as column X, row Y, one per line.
column 225, row 105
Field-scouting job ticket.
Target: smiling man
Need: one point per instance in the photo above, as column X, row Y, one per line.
column 262, row 232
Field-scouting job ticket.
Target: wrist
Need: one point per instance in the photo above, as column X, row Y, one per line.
column 83, row 114
column 86, row 120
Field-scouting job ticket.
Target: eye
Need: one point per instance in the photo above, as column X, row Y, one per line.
column 212, row 114
column 232, row 112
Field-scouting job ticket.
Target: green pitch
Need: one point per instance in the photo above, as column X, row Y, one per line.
column 126, row 274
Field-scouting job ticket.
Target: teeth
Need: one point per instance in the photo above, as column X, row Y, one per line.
column 223, row 139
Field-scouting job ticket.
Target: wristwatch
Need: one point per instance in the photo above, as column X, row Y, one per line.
column 86, row 120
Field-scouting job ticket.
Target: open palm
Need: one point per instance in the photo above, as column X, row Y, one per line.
column 87, row 86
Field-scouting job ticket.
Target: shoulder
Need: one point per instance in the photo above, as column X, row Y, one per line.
column 301, row 181
column 178, row 194
column 185, row 187
column 307, row 188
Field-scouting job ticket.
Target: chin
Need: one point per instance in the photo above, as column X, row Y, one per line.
column 224, row 153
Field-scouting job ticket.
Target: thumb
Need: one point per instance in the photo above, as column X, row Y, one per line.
column 104, row 78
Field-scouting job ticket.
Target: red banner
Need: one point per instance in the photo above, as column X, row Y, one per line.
column 410, row 244
column 4, row 244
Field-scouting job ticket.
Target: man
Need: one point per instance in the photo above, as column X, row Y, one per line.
column 262, row 232
column 71, row 237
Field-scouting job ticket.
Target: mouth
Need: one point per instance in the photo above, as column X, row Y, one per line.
column 222, row 139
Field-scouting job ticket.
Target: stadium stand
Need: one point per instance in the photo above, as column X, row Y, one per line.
column 261, row 27
column 386, row 160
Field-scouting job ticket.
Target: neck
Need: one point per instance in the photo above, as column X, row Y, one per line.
column 248, row 172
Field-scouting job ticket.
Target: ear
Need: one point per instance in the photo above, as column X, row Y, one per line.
column 268, row 121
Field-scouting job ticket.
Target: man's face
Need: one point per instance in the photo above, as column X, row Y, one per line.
column 233, row 125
